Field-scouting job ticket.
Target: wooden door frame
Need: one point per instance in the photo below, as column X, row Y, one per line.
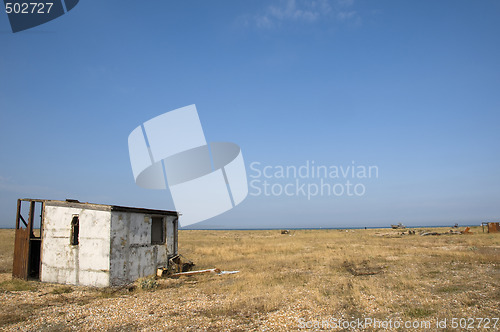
column 26, row 240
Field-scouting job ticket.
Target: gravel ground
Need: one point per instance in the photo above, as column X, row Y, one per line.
column 284, row 282
column 86, row 309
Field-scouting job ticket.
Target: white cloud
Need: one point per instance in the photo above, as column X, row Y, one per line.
column 345, row 15
column 304, row 11
column 345, row 2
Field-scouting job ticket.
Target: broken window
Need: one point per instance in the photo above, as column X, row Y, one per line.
column 75, row 231
column 157, row 230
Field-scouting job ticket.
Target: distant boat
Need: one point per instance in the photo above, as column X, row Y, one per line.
column 398, row 226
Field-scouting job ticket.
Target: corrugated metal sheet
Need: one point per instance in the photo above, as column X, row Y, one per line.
column 21, row 250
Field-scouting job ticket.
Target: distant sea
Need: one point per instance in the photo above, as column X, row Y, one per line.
column 313, row 228
column 301, row 228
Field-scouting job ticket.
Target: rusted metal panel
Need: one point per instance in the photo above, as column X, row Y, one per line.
column 493, row 227
column 21, row 254
column 73, row 203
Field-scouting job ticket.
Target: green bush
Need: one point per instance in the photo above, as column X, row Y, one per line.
column 148, row 283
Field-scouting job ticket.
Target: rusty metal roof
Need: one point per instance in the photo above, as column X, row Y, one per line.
column 102, row 207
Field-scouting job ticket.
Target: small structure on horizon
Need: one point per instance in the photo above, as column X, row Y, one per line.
column 86, row 244
column 492, row 227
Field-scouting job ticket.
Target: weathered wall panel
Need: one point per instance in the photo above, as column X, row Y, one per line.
column 132, row 254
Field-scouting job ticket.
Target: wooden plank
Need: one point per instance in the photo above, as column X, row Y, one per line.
column 18, row 214
column 190, row 273
column 21, row 253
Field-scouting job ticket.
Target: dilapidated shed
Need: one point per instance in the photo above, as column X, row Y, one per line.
column 88, row 244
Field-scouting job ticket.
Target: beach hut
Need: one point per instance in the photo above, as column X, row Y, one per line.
column 76, row 243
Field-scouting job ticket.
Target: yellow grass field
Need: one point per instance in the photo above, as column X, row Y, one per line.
column 307, row 279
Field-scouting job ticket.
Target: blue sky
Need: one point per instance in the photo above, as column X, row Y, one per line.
column 408, row 86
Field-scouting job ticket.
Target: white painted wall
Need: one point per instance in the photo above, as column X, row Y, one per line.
column 84, row 264
column 132, row 254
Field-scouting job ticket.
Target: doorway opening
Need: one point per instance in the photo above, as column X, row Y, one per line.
column 28, row 241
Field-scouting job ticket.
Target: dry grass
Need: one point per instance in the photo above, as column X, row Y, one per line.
column 6, row 250
column 308, row 275
column 350, row 272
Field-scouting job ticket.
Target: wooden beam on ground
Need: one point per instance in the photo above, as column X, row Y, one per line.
column 190, row 273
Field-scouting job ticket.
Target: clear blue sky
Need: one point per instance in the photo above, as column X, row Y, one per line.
column 409, row 86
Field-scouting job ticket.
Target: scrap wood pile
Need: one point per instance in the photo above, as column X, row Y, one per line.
column 180, row 266
column 396, row 234
column 466, row 231
column 179, row 263
column 451, row 232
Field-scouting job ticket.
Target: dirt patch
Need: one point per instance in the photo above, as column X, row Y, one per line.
column 364, row 268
